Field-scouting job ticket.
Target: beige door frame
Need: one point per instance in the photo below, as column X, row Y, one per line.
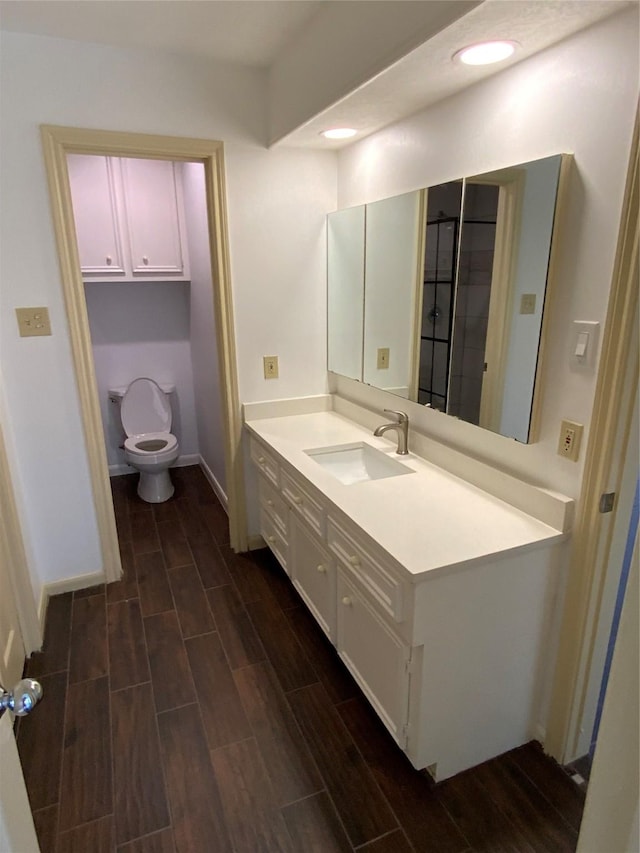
column 608, row 437
column 14, row 558
column 57, row 143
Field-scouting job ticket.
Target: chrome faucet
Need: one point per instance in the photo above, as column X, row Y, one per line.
column 401, row 427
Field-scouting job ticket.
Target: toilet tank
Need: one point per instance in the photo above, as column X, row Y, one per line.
column 117, row 392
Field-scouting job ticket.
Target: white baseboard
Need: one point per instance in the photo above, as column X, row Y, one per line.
column 255, row 542
column 213, row 482
column 65, row 585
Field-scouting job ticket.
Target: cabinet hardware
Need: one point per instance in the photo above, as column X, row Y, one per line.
column 297, row 500
column 269, row 503
column 354, row 561
column 322, row 569
column 261, row 460
column 346, row 601
column 109, row 260
column 145, row 260
column 271, row 540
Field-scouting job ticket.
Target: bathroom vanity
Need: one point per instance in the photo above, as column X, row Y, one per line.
column 436, row 591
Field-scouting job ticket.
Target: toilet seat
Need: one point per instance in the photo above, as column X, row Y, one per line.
column 145, row 409
column 159, row 443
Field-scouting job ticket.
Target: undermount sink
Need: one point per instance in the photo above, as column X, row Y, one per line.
column 357, row 463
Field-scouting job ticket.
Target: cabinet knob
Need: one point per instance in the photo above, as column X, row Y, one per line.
column 261, row 460
column 297, row 500
column 269, row 503
column 322, row 569
column 271, row 540
column 145, row 260
column 354, row 560
column 109, row 260
column 346, row 601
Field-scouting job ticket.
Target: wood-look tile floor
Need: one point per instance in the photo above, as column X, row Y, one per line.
column 195, row 707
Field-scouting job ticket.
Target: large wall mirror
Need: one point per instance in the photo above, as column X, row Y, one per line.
column 438, row 295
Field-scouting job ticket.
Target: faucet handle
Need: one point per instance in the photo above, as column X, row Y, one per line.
column 403, row 417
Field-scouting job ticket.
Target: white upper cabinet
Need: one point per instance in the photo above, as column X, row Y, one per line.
column 129, row 218
column 95, row 210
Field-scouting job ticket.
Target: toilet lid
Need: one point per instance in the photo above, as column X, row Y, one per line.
column 145, row 408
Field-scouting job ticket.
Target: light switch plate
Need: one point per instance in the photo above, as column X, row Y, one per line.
column 584, row 343
column 383, row 358
column 33, row 321
column 270, row 364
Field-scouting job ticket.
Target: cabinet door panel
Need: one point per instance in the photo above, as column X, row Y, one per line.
column 313, row 574
column 376, row 657
column 95, row 210
column 150, row 189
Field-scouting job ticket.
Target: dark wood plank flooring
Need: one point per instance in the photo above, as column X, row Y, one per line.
column 195, row 707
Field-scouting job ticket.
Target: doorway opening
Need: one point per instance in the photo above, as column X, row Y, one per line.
column 59, row 142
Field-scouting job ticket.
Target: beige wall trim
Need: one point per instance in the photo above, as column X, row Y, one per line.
column 57, row 143
column 14, row 555
column 611, row 407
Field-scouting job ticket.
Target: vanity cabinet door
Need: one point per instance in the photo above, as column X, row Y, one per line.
column 376, row 657
column 313, row 574
column 152, row 208
column 94, row 185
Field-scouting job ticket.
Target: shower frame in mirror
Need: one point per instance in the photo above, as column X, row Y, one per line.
column 504, row 266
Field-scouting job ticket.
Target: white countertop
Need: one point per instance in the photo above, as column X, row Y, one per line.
column 426, row 521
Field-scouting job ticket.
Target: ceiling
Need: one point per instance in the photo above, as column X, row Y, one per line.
column 263, row 33
column 251, row 32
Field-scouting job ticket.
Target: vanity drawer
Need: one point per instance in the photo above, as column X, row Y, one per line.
column 265, row 461
column 383, row 587
column 271, row 502
column 309, row 508
column 274, row 539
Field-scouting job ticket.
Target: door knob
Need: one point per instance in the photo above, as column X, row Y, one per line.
column 22, row 699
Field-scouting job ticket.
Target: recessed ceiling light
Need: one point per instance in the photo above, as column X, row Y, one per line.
column 485, row 52
column 339, row 133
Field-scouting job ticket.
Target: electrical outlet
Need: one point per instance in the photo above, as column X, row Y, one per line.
column 270, row 363
column 528, row 303
column 570, row 438
column 33, row 321
column 383, row 358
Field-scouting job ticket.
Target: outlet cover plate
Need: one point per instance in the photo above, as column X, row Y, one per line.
column 33, row 321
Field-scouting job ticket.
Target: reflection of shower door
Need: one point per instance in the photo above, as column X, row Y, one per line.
column 437, row 311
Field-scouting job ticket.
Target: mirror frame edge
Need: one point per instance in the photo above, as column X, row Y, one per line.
column 557, row 234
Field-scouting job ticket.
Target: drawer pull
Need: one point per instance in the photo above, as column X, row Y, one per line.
column 354, row 560
column 271, row 540
column 346, row 601
column 261, row 460
column 269, row 502
column 322, row 569
column 297, row 500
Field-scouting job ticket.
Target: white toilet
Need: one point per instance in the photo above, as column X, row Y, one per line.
column 145, row 412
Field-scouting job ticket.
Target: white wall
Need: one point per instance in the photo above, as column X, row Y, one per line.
column 277, row 201
column 578, row 97
column 142, row 329
column 204, row 354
